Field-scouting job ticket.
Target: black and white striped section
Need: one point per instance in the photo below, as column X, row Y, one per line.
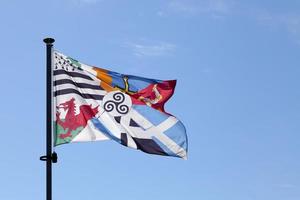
column 77, row 82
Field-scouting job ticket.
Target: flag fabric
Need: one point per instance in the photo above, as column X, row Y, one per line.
column 93, row 104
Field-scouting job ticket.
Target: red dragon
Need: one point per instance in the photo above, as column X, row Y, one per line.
column 72, row 121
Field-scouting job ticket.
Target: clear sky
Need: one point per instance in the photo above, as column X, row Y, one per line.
column 237, row 64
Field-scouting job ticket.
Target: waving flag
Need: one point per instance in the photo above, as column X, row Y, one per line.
column 93, row 104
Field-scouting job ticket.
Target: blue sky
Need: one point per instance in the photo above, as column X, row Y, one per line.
column 237, row 66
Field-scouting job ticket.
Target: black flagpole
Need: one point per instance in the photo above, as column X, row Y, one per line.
column 49, row 157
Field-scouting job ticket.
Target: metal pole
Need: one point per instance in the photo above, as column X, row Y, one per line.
column 50, row 157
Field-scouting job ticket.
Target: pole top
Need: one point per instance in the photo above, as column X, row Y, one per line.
column 49, row 40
